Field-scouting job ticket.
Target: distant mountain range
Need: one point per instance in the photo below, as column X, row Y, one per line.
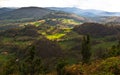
column 87, row 12
column 89, row 15
column 94, row 15
column 25, row 12
column 80, row 12
column 37, row 13
column 4, row 10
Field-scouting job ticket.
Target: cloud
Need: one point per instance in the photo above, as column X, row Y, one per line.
column 42, row 3
column 108, row 5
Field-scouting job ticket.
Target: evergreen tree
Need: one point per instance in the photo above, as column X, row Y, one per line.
column 60, row 67
column 31, row 64
column 115, row 50
column 86, row 49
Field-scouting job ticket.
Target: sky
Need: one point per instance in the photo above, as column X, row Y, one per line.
column 107, row 5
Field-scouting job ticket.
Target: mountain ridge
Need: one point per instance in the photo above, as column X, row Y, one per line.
column 38, row 13
column 25, row 12
column 30, row 13
column 86, row 12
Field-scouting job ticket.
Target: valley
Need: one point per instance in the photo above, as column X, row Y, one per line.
column 55, row 42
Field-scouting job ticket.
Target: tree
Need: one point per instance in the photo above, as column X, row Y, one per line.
column 114, row 50
column 10, row 67
column 86, row 49
column 60, row 67
column 31, row 64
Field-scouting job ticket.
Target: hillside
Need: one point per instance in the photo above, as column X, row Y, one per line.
column 4, row 10
column 57, row 41
column 31, row 14
column 114, row 19
column 37, row 12
column 40, row 41
column 68, row 16
column 25, row 12
column 99, row 16
column 106, row 19
column 23, row 37
column 95, row 29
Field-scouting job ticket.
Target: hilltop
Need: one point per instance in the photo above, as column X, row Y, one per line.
column 25, row 12
column 4, row 10
column 95, row 29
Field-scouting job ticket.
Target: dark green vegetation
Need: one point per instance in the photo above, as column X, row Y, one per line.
column 57, row 44
column 96, row 30
column 86, row 49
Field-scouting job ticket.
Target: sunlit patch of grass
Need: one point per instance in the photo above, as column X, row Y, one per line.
column 66, row 30
column 43, row 33
column 37, row 23
column 55, row 36
column 70, row 21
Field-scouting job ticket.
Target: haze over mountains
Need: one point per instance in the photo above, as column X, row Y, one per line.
column 81, row 12
column 86, row 12
column 26, row 12
column 89, row 15
column 36, row 13
column 4, row 10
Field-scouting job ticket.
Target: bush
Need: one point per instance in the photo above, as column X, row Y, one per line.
column 74, row 70
column 110, row 66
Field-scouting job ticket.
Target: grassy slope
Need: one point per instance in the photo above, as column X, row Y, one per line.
column 65, row 39
column 22, row 44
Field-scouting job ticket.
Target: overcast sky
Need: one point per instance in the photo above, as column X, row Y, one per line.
column 108, row 5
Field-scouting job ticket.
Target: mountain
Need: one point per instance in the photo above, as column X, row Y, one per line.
column 35, row 13
column 30, row 13
column 93, row 15
column 25, row 12
column 86, row 12
column 4, row 10
column 73, row 10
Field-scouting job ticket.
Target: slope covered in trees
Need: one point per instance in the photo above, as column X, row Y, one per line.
column 96, row 30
